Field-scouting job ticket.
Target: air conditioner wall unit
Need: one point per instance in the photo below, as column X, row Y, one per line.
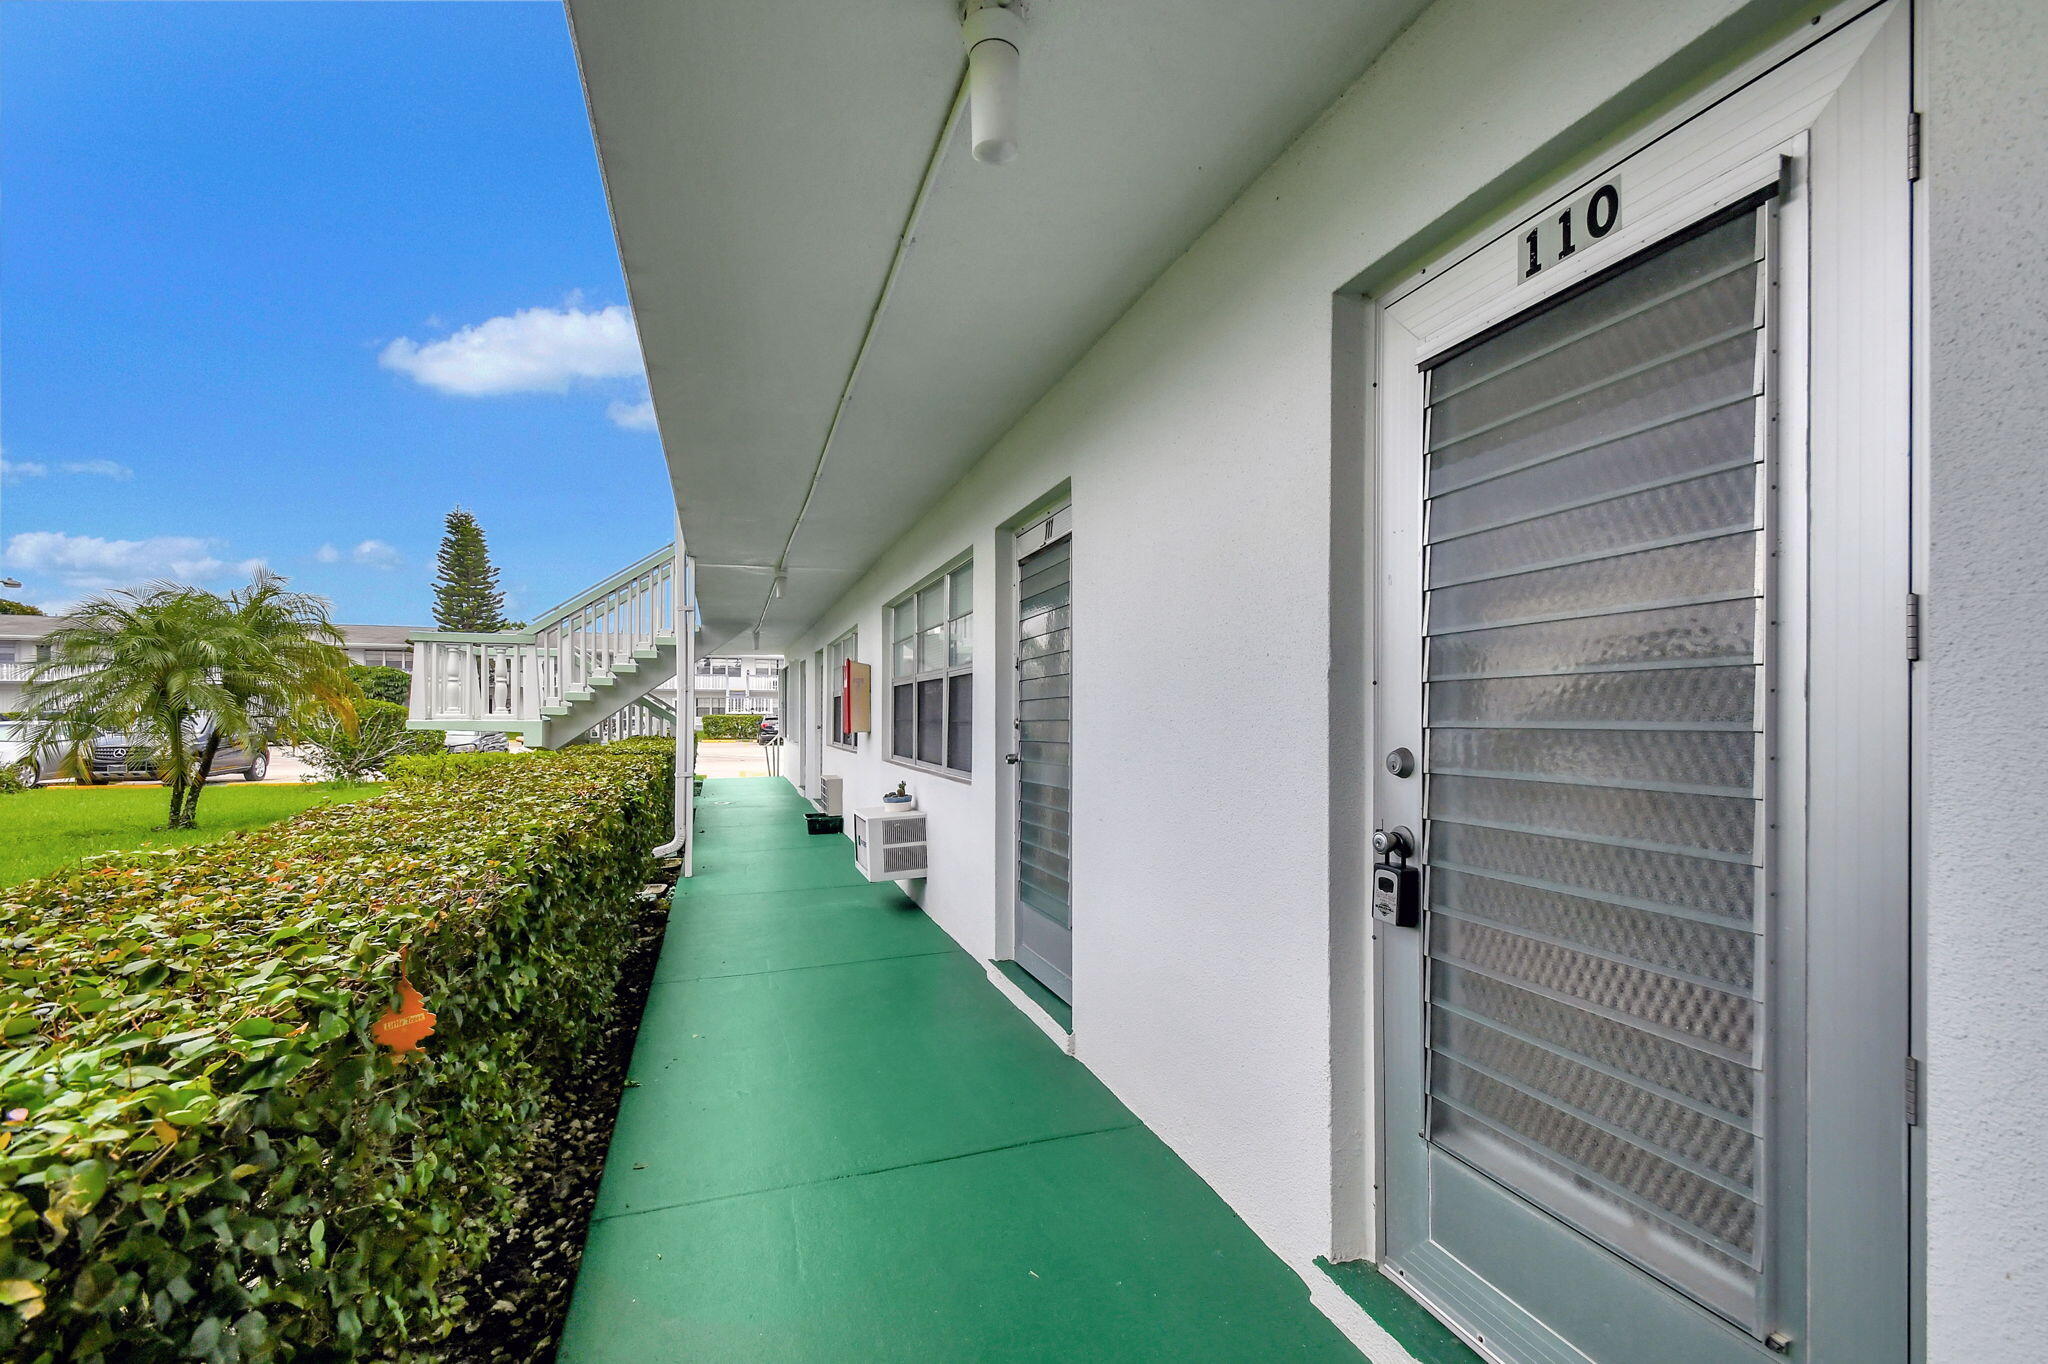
column 832, row 795
column 890, row 845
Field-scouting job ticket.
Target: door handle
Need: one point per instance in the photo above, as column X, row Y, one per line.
column 1396, row 842
column 1012, row 759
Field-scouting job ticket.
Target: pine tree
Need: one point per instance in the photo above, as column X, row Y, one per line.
column 466, row 595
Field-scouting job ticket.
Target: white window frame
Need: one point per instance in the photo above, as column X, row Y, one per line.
column 846, row 647
column 956, row 628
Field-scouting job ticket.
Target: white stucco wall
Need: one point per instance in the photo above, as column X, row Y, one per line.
column 1197, row 434
column 1986, row 673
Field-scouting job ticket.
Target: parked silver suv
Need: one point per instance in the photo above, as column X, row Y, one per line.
column 18, row 757
column 117, row 757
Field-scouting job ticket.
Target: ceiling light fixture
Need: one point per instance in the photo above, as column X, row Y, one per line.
column 994, row 35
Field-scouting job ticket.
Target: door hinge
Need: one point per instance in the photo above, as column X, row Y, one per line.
column 1912, row 1091
column 1913, row 147
column 1913, row 627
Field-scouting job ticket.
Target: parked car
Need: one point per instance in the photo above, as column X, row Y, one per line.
column 771, row 728
column 18, row 757
column 475, row 741
column 117, row 757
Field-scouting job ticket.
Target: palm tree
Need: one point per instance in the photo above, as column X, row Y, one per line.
column 184, row 671
column 288, row 667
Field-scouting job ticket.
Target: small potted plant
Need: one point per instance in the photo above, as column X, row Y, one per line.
column 899, row 799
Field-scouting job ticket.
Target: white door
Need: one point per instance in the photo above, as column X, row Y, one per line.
column 1043, row 757
column 793, row 713
column 1643, row 558
column 818, row 705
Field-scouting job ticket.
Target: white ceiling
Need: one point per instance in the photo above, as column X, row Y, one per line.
column 761, row 158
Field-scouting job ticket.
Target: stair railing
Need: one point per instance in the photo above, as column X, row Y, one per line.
column 511, row 675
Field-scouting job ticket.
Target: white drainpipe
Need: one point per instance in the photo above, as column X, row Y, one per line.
column 683, row 618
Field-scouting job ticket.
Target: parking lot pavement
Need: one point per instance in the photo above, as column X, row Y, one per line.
column 288, row 768
column 732, row 758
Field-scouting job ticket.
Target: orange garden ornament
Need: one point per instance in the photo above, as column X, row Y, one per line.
column 409, row 1024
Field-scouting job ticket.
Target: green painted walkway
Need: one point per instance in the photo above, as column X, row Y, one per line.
column 844, row 1144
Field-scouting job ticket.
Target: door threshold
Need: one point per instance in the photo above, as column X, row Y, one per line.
column 1053, row 1015
column 1392, row 1316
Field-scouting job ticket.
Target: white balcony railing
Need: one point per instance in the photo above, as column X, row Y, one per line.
column 514, row 675
column 19, row 672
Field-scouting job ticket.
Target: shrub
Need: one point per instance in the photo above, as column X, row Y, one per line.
column 620, row 747
column 383, row 684
column 380, row 736
column 11, row 782
column 732, row 727
column 449, row 766
column 208, row 1156
column 461, row 766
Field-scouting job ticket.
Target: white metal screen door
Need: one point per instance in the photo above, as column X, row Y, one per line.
column 793, row 714
column 1043, row 758
column 817, row 721
column 1637, row 998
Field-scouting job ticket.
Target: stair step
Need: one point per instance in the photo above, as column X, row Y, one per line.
column 580, row 693
column 554, row 712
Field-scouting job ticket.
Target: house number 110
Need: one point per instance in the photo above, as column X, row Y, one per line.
column 1555, row 237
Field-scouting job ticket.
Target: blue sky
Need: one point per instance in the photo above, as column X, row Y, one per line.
column 287, row 281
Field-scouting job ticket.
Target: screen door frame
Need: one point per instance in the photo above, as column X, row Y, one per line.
column 1829, row 111
column 1041, row 946
column 815, row 721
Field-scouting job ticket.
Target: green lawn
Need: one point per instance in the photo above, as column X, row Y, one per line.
column 42, row 830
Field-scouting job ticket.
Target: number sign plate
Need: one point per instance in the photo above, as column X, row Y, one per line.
column 1555, row 237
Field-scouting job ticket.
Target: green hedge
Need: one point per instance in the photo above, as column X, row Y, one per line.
column 207, row 1156
column 383, row 684
column 461, row 766
column 732, row 727
column 450, row 766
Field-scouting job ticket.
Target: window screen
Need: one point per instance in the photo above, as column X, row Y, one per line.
column 1594, row 599
column 847, row 646
column 932, row 658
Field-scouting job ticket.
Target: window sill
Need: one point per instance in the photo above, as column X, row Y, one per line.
column 949, row 773
column 844, row 748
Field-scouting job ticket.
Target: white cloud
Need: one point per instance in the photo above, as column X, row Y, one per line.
column 90, row 563
column 99, row 468
column 369, row 553
column 535, row 350
column 633, row 416
column 32, row 468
